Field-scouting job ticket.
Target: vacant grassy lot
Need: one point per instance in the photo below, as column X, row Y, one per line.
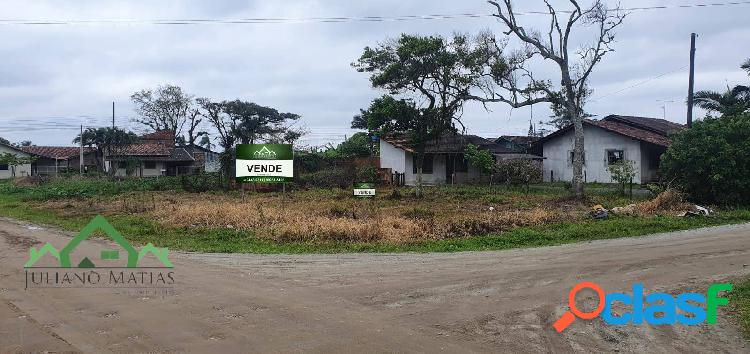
column 447, row 219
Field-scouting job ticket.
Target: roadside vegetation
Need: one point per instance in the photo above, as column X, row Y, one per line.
column 740, row 298
column 330, row 220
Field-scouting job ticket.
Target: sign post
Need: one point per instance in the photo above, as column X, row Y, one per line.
column 364, row 190
column 264, row 163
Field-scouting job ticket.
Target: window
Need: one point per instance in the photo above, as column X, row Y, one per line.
column 615, row 156
column 426, row 164
column 149, row 165
column 4, row 167
column 572, row 157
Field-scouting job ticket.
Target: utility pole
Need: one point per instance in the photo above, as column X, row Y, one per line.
column 691, row 84
column 113, row 115
column 80, row 158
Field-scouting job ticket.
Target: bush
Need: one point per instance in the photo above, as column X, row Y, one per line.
column 328, row 178
column 76, row 187
column 367, row 174
column 203, row 182
column 623, row 173
column 519, row 172
column 711, row 161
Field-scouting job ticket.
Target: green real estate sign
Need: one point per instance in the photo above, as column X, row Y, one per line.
column 265, row 163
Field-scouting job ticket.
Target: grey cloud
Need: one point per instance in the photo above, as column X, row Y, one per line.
column 78, row 70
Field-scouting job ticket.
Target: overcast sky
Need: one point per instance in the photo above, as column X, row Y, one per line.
column 66, row 75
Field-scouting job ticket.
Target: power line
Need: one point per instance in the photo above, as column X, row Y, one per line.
column 283, row 20
column 599, row 98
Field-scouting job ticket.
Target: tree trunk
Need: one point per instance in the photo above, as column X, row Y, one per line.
column 578, row 144
column 420, row 162
column 578, row 158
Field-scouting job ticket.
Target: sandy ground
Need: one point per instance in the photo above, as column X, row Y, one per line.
column 372, row 303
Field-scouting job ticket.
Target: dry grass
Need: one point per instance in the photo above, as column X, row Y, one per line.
column 669, row 202
column 352, row 220
column 335, row 216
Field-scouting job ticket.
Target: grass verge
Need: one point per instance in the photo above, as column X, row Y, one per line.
column 740, row 298
column 142, row 230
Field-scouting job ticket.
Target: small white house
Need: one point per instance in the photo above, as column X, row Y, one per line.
column 607, row 141
column 6, row 171
column 444, row 161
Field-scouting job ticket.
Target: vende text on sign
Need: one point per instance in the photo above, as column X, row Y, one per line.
column 265, row 163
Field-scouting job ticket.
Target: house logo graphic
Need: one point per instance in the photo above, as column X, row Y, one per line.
column 98, row 223
column 86, row 273
column 264, row 154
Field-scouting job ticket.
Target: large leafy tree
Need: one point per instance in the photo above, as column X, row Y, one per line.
column 246, row 123
column 105, row 140
column 357, row 145
column 518, row 85
column 387, row 115
column 711, row 161
column 733, row 101
column 255, row 122
column 437, row 74
column 168, row 107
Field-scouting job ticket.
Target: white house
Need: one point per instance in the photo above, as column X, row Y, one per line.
column 444, row 161
column 6, row 171
column 607, row 141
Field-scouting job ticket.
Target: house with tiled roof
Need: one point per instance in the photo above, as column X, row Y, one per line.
column 52, row 160
column 156, row 154
column 607, row 141
column 444, row 161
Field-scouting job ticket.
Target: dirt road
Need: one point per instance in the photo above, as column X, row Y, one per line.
column 371, row 303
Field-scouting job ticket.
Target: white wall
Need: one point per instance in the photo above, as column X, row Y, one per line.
column 392, row 157
column 596, row 143
column 436, row 177
column 21, row 170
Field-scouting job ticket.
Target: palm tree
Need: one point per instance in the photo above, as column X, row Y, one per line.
column 103, row 139
column 734, row 101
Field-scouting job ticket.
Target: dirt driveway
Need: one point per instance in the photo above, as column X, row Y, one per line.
column 372, row 303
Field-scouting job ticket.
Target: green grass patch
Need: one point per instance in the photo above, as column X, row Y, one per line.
column 740, row 300
column 141, row 230
column 86, row 187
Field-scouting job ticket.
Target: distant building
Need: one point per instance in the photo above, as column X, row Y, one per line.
column 6, row 171
column 156, row 154
column 52, row 160
column 444, row 161
column 607, row 141
column 520, row 143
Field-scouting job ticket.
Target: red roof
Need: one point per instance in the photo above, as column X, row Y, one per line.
column 55, row 152
column 159, row 135
column 632, row 132
column 650, row 130
column 144, row 149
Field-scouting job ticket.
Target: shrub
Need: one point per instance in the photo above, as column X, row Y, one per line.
column 203, row 182
column 367, row 174
column 623, row 173
column 76, row 187
column 519, row 171
column 328, row 178
column 711, row 161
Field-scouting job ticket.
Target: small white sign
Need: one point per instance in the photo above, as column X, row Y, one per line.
column 364, row 192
